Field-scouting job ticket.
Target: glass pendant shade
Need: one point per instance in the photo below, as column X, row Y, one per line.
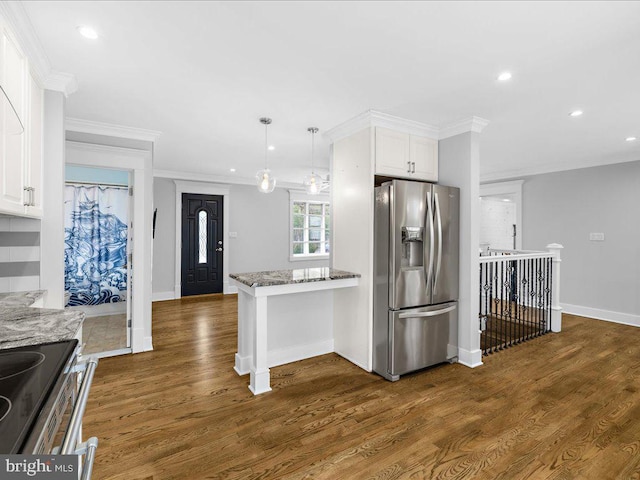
column 265, row 181
column 313, row 184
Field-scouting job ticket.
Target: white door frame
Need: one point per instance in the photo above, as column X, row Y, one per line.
column 139, row 162
column 508, row 188
column 202, row 189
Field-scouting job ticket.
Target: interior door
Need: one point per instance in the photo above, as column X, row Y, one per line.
column 202, row 247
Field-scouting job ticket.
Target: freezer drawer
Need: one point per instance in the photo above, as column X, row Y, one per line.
column 422, row 337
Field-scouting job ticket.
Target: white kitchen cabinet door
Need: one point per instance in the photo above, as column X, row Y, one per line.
column 12, row 142
column 423, row 154
column 392, row 153
column 33, row 173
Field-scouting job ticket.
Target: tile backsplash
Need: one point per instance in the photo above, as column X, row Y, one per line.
column 19, row 254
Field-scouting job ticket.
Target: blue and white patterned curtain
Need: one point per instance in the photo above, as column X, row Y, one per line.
column 95, row 244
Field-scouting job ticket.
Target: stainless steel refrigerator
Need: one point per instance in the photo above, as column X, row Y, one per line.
column 415, row 322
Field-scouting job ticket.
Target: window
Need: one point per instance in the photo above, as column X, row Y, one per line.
column 310, row 225
column 202, row 230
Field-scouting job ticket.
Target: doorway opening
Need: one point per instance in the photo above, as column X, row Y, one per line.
column 202, row 244
column 98, row 240
column 501, row 216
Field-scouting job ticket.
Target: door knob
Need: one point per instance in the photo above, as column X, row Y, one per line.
column 219, row 249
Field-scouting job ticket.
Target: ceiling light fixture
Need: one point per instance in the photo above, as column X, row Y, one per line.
column 504, row 76
column 576, row 113
column 232, row 170
column 271, row 147
column 264, row 179
column 87, row 32
column 312, row 183
column 631, row 139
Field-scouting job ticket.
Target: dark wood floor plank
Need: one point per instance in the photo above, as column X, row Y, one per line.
column 560, row 406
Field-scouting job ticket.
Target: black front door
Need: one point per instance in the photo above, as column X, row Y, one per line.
column 201, row 244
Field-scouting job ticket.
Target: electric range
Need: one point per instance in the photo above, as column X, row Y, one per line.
column 30, row 377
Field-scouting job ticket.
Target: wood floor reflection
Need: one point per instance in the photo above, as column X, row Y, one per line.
column 562, row 406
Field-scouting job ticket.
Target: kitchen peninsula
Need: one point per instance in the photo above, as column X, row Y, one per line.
column 299, row 324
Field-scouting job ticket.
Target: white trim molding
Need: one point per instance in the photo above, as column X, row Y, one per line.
column 471, row 124
column 138, row 162
column 111, row 130
column 599, row 314
column 219, row 179
column 373, row 118
column 162, row 296
column 202, row 188
column 471, row 359
column 20, row 24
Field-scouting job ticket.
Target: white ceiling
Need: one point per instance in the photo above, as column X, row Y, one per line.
column 203, row 72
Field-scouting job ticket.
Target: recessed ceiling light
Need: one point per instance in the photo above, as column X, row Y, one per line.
column 232, row 170
column 504, row 76
column 631, row 139
column 506, row 200
column 576, row 113
column 87, row 32
column 271, row 147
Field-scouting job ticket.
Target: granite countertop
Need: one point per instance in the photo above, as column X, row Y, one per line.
column 288, row 277
column 20, row 299
column 22, row 325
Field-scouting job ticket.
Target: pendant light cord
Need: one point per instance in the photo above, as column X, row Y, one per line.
column 266, row 145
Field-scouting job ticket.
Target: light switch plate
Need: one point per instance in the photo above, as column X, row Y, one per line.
column 233, row 234
column 596, row 237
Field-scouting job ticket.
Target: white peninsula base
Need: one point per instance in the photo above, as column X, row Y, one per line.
column 296, row 324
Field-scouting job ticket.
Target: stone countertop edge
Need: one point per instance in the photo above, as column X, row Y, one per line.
column 286, row 277
column 20, row 299
column 21, row 326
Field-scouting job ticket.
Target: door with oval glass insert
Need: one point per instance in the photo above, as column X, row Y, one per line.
column 202, row 247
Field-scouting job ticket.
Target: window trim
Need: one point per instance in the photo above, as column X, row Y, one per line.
column 296, row 196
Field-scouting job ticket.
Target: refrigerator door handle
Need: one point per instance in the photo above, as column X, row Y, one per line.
column 429, row 271
column 439, row 261
column 428, row 314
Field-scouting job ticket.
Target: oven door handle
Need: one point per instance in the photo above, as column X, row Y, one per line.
column 70, row 440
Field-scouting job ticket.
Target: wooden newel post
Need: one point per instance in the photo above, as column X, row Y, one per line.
column 556, row 309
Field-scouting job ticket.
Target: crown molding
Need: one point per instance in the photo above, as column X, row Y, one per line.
column 110, row 130
column 209, row 178
column 61, row 82
column 374, row 118
column 20, row 25
column 471, row 124
column 546, row 168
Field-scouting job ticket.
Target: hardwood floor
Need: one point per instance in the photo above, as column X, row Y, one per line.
column 562, row 406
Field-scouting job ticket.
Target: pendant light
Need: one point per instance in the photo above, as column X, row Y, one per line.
column 312, row 183
column 265, row 180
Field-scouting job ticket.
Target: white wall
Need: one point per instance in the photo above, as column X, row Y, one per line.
column 496, row 222
column 601, row 279
column 261, row 222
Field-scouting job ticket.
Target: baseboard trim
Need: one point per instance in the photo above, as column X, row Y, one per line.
column 298, row 352
column 354, row 361
column 148, row 344
column 598, row 314
column 470, row 358
column 162, row 296
column 242, row 365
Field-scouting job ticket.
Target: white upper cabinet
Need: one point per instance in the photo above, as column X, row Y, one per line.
column 405, row 156
column 21, row 103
